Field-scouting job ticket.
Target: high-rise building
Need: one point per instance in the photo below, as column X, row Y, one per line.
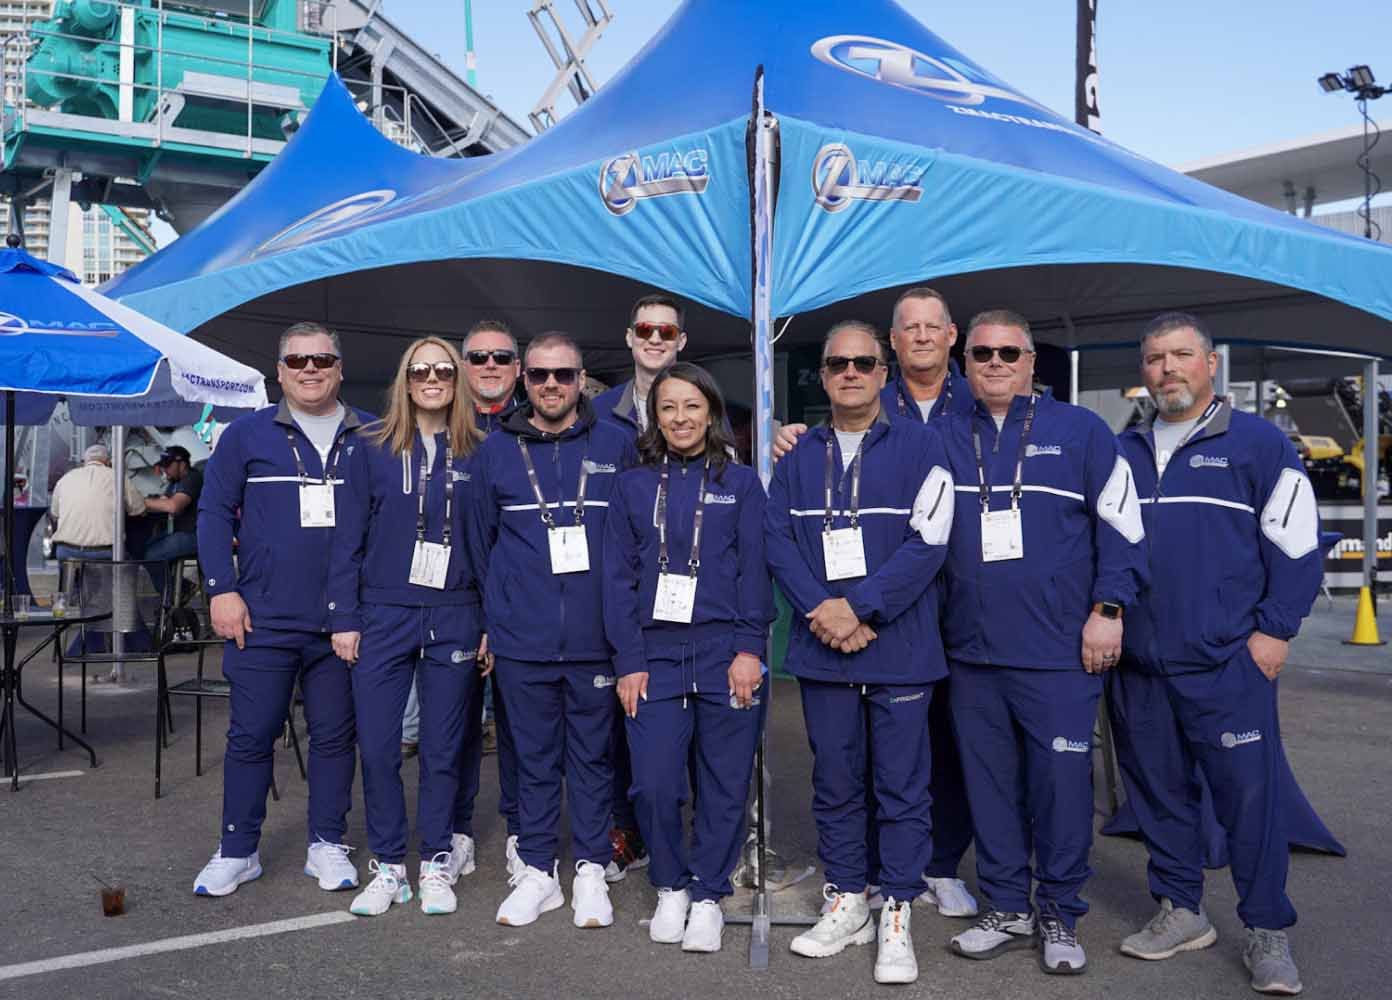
column 101, row 243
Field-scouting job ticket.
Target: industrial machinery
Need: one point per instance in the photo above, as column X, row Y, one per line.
column 1328, row 417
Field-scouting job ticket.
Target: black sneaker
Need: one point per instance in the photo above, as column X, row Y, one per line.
column 629, row 852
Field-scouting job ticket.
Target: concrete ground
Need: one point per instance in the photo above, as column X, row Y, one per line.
column 60, row 837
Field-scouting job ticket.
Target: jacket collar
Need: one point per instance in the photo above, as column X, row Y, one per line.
column 1018, row 406
column 286, row 418
column 519, row 422
column 1217, row 423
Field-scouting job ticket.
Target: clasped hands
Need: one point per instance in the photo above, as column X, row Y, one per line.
column 837, row 626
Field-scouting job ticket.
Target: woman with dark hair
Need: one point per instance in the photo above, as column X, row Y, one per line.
column 687, row 606
column 404, row 604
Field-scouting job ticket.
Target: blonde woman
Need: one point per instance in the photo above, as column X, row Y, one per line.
column 404, row 604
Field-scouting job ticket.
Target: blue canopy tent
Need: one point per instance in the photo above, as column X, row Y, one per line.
column 895, row 160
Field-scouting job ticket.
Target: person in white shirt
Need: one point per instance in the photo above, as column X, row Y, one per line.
column 83, row 507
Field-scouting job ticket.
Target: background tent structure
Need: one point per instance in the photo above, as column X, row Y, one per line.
column 902, row 161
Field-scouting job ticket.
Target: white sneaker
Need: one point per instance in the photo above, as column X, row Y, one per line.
column 515, row 864
column 895, row 962
column 388, row 886
column 704, row 926
column 436, row 896
column 221, row 876
column 1061, row 954
column 845, row 921
column 534, row 892
column 995, row 933
column 330, row 865
column 589, row 896
column 669, row 919
column 873, row 899
column 950, row 896
column 461, row 853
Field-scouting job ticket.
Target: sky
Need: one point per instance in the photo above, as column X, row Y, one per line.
column 1181, row 80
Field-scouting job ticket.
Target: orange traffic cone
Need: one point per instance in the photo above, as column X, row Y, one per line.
column 1365, row 630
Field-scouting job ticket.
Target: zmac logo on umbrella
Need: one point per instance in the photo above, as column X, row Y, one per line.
column 628, row 178
column 15, row 326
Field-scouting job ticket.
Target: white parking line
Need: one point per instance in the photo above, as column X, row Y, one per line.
column 106, row 955
column 24, row 779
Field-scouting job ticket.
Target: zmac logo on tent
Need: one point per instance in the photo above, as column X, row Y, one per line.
column 908, row 69
column 839, row 179
column 342, row 214
column 628, row 178
column 16, row 326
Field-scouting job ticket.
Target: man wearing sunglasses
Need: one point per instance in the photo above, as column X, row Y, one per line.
column 493, row 367
column 1236, row 564
column 929, row 386
column 656, row 335
column 272, row 483
column 857, row 525
column 1047, row 551
column 541, row 492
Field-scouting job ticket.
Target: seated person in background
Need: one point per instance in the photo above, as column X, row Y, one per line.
column 82, row 507
column 183, row 485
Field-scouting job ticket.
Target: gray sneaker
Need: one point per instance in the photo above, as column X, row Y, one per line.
column 1268, row 958
column 1172, row 930
column 1060, row 954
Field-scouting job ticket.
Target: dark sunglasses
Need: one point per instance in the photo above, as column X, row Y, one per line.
column 480, row 358
column 864, row 363
column 295, row 362
column 563, row 376
column 419, row 371
column 981, row 354
column 667, row 331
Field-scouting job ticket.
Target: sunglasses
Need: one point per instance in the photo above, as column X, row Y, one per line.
column 864, row 363
column 295, row 362
column 667, row 331
column 981, row 354
column 419, row 371
column 563, row 376
column 480, row 358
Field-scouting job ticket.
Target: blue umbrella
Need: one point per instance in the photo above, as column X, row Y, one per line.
column 114, row 365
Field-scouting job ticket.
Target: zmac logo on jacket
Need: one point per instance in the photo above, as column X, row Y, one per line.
column 1043, row 449
column 1208, row 462
column 1063, row 744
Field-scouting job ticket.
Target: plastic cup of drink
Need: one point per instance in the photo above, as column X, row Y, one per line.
column 21, row 605
column 113, row 901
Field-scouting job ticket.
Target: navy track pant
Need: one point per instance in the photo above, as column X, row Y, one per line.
column 471, row 766
column 1226, row 721
column 439, row 648
column 888, row 726
column 1026, row 741
column 262, row 680
column 562, row 720
column 716, row 739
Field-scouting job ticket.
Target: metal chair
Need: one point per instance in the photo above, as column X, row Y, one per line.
column 191, row 608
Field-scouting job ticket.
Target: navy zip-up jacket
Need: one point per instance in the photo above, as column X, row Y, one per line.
column 487, row 423
column 734, row 596
column 956, row 397
column 1083, row 536
column 282, row 568
column 376, row 532
column 1234, row 543
column 531, row 613
column 905, row 516
column 618, row 406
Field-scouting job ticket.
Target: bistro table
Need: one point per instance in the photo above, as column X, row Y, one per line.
column 10, row 626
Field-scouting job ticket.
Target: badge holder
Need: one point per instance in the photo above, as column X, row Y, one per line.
column 570, row 552
column 430, row 564
column 1002, row 535
column 316, row 505
column 843, row 550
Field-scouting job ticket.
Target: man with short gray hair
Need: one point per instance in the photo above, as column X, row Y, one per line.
column 1235, row 565
column 83, row 507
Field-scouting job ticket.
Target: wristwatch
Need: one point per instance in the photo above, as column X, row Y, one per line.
column 1107, row 609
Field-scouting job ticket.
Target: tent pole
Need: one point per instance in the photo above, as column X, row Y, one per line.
column 1073, row 376
column 118, row 546
column 1370, row 477
column 9, row 582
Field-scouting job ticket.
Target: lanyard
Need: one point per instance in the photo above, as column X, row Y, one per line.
column 1019, row 462
column 423, row 487
column 299, row 463
column 1194, row 431
column 546, row 517
column 694, row 562
column 943, row 404
column 854, row 512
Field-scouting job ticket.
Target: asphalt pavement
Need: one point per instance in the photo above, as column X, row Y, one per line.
column 62, row 837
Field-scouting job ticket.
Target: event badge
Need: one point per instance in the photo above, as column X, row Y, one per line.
column 843, row 549
column 316, row 505
column 430, row 564
column 1002, row 536
column 570, row 552
column 676, row 598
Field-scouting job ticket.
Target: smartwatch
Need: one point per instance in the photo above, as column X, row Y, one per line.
column 1108, row 609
